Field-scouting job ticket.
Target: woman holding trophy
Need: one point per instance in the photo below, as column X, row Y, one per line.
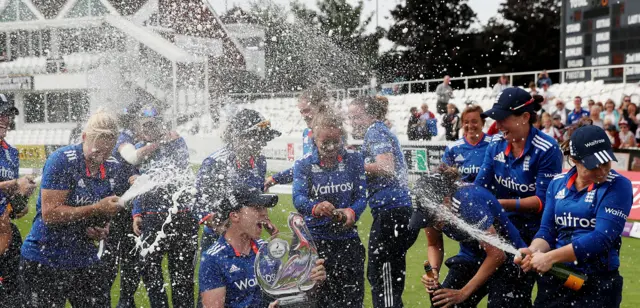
column 329, row 189
column 227, row 277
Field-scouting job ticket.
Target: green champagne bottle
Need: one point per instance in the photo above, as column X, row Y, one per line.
column 572, row 278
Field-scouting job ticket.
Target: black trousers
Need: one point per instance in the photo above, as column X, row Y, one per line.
column 180, row 246
column 602, row 291
column 389, row 240
column 48, row 287
column 9, row 267
column 344, row 263
column 119, row 257
column 507, row 287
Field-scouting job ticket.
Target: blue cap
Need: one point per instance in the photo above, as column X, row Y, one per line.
column 243, row 195
column 591, row 146
column 510, row 101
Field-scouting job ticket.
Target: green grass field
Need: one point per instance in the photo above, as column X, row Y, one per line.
column 414, row 295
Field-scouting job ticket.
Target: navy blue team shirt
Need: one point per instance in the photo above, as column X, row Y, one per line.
column 466, row 157
column 343, row 185
column 9, row 170
column 221, row 266
column 478, row 207
column 286, row 176
column 174, row 153
column 574, row 116
column 220, row 171
column 67, row 245
column 591, row 220
column 510, row 177
column 385, row 192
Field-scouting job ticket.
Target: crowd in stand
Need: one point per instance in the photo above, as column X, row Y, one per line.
column 620, row 120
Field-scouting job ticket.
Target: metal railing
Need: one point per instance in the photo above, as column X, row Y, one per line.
column 633, row 68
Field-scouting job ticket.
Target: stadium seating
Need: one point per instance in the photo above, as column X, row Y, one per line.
column 39, row 137
column 285, row 117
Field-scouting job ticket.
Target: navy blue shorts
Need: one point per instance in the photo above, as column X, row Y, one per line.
column 601, row 291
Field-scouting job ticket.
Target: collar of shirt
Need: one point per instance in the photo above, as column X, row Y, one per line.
column 527, row 145
column 254, row 246
column 474, row 144
column 315, row 156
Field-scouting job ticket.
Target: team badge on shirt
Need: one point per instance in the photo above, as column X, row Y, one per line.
column 525, row 165
column 316, row 168
column 589, row 197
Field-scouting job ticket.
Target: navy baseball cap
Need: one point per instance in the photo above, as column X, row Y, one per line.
column 244, row 195
column 510, row 101
column 249, row 123
column 591, row 146
column 6, row 108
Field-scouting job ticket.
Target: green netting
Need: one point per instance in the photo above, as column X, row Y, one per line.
column 9, row 13
column 80, row 9
column 25, row 13
column 98, row 9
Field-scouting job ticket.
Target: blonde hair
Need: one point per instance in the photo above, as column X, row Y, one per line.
column 102, row 123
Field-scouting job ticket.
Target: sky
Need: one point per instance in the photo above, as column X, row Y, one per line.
column 484, row 9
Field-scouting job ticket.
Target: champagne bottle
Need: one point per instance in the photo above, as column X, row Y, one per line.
column 338, row 217
column 429, row 271
column 572, row 278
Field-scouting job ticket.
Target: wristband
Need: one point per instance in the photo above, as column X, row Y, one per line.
column 517, row 204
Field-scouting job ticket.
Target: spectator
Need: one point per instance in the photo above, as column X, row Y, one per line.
column 413, row 127
column 445, row 93
column 549, row 129
column 631, row 117
column 600, row 104
column 627, row 138
column 543, row 78
column 398, row 89
column 626, row 100
column 425, row 118
column 595, row 116
column 612, row 132
column 532, row 88
column 451, row 123
column 610, row 114
column 577, row 112
column 590, row 103
column 561, row 111
column 502, row 84
column 557, row 122
column 547, row 94
column 493, row 129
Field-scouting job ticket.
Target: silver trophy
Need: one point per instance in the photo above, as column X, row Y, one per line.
column 284, row 264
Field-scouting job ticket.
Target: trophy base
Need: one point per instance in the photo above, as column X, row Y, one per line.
column 293, row 300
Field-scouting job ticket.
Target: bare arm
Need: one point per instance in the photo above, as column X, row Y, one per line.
column 214, row 298
column 527, row 205
column 55, row 211
column 435, row 247
column 495, row 257
column 384, row 165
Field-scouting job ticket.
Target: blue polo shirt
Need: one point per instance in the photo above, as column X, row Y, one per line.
column 221, row 171
column 9, row 170
column 466, row 157
column 343, row 185
column 385, row 192
column 173, row 153
column 575, row 116
column 221, row 266
column 510, row 177
column 67, row 245
column 286, row 176
column 478, row 207
column 591, row 220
